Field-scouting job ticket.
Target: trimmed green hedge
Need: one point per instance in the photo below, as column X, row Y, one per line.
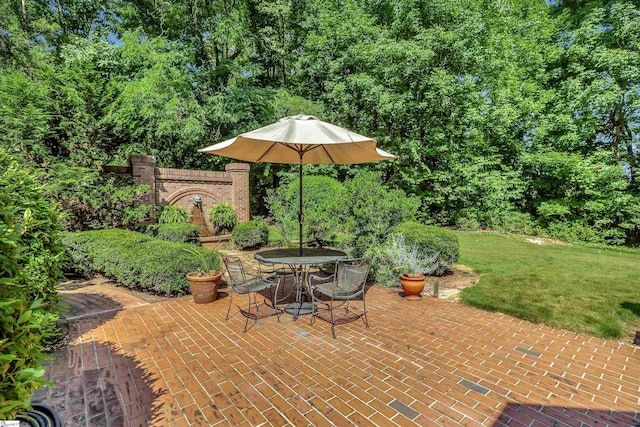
column 431, row 239
column 174, row 232
column 250, row 234
column 134, row 260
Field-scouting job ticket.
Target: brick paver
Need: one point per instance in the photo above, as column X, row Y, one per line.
column 429, row 362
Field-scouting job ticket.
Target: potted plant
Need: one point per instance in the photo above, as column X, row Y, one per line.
column 414, row 266
column 205, row 281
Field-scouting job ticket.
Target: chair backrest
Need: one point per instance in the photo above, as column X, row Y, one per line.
column 235, row 269
column 351, row 276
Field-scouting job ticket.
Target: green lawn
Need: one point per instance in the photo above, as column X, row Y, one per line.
column 595, row 291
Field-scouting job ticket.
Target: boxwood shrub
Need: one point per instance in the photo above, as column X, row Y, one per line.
column 174, row 232
column 250, row 234
column 134, row 260
column 431, row 239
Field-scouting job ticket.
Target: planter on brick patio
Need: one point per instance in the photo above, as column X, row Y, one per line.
column 204, row 288
column 412, row 285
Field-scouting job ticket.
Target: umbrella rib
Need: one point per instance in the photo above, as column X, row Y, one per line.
column 309, row 148
column 266, row 152
column 295, row 147
column 328, row 155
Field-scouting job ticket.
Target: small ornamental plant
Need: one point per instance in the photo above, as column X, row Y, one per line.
column 223, row 218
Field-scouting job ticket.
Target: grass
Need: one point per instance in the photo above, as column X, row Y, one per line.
column 594, row 291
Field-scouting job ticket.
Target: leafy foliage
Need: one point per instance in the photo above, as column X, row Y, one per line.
column 30, row 256
column 430, row 240
column 399, row 256
column 135, row 260
column 321, row 197
column 223, row 218
column 371, row 210
column 206, row 265
column 175, row 232
column 250, row 234
column 92, row 200
column 518, row 116
column 173, row 214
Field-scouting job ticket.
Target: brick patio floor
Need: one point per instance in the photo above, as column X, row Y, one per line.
column 429, row 362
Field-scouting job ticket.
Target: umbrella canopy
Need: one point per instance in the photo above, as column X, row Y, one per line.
column 300, row 140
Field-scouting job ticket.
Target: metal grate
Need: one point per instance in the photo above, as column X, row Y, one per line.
column 529, row 352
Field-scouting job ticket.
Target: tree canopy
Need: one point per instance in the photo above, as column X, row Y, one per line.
column 514, row 114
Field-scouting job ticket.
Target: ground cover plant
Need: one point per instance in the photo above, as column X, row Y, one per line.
column 596, row 291
column 135, row 260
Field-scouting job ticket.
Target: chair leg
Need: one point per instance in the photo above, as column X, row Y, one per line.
column 364, row 313
column 230, row 301
column 255, row 301
column 246, row 324
column 274, row 302
column 333, row 323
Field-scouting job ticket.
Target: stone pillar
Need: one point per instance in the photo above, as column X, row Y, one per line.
column 239, row 173
column 143, row 172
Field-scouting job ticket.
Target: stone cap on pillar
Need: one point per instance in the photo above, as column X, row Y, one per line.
column 237, row 167
column 137, row 159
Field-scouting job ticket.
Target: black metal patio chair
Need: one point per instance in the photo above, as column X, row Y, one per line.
column 335, row 292
column 244, row 283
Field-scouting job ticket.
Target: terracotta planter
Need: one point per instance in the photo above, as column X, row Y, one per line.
column 204, row 288
column 412, row 285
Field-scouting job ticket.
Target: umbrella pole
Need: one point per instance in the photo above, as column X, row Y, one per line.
column 300, row 216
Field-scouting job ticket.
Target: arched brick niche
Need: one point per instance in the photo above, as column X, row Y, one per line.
column 185, row 197
column 179, row 186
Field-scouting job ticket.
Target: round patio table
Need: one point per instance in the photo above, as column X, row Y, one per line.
column 300, row 266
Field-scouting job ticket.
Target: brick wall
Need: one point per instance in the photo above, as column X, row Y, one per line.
column 180, row 186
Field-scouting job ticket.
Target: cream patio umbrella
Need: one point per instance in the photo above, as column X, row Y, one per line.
column 300, row 140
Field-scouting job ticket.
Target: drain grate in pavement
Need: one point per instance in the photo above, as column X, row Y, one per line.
column 303, row 333
column 529, row 352
column 404, row 409
column 473, row 386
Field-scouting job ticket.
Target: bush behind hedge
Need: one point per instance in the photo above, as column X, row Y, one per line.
column 431, row 239
column 322, row 198
column 250, row 234
column 135, row 260
column 372, row 209
column 93, row 200
column 174, row 232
